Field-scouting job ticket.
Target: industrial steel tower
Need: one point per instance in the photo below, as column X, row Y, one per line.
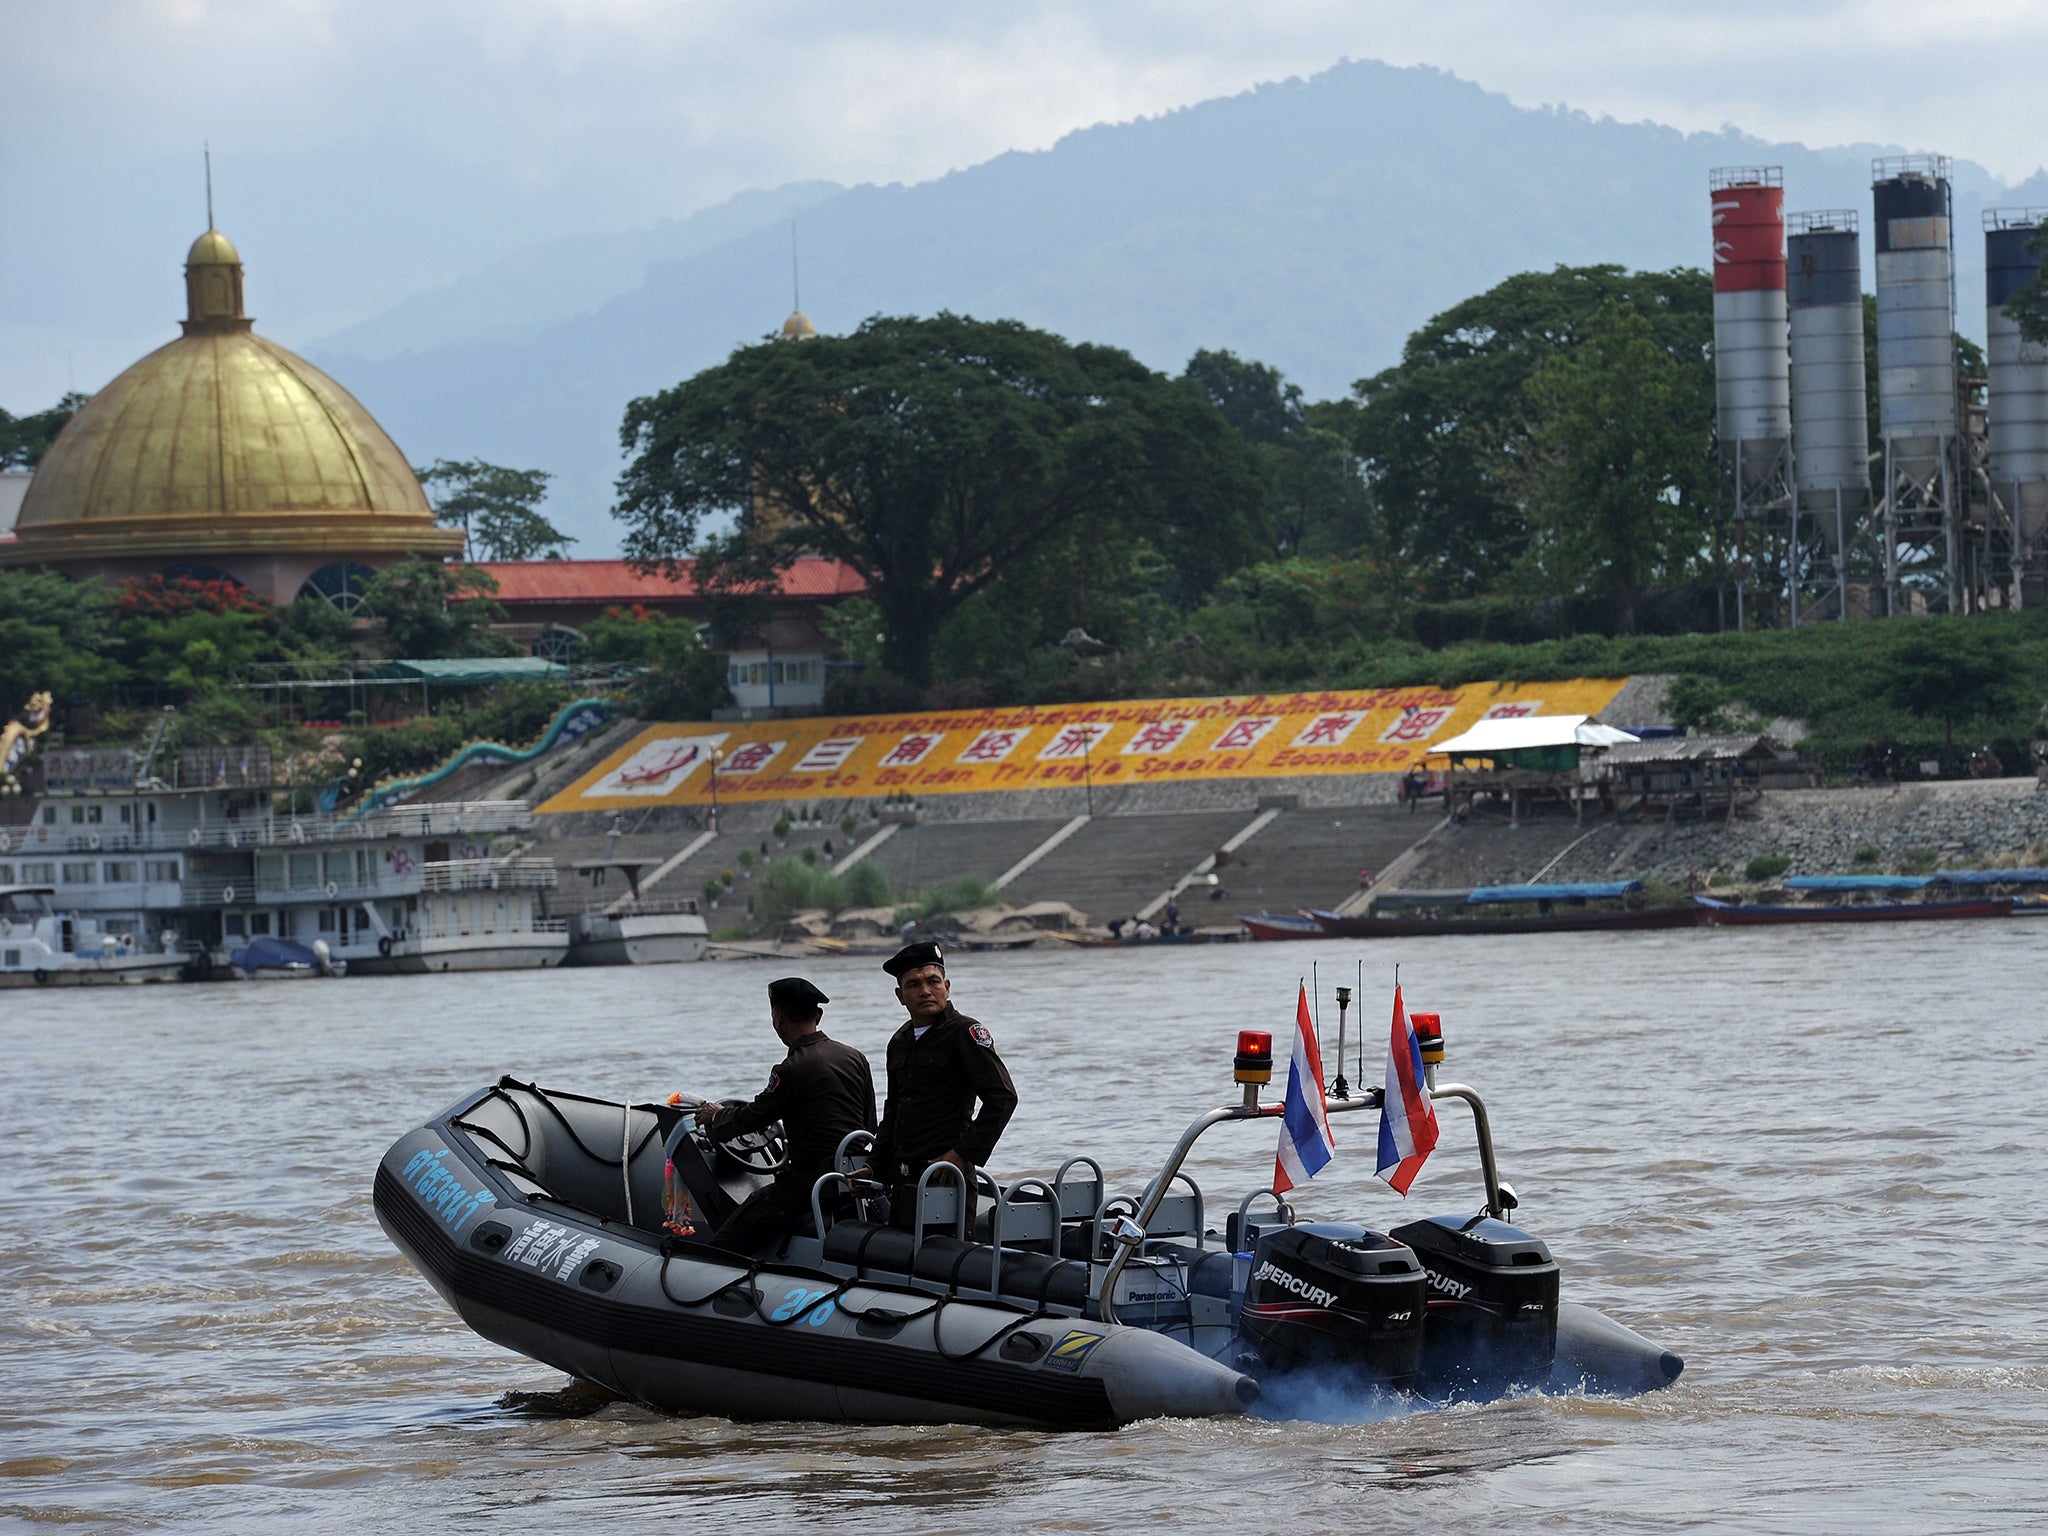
column 1923, row 495
column 1751, row 383
column 2017, row 407
column 1830, row 407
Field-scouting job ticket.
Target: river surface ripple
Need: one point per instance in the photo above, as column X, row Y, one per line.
column 1809, row 1161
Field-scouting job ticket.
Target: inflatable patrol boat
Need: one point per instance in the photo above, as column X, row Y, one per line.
column 539, row 1216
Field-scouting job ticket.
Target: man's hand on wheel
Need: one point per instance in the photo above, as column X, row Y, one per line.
column 705, row 1112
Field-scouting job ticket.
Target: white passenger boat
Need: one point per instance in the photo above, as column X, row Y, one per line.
column 634, row 929
column 42, row 947
column 472, row 915
column 204, row 846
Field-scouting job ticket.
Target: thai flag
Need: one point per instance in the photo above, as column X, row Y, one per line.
column 1306, row 1144
column 1407, row 1118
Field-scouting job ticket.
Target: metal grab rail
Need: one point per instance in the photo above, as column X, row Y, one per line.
column 271, row 830
column 1128, row 1238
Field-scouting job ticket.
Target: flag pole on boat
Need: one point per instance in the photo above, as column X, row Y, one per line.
column 1361, row 1031
column 1341, row 1089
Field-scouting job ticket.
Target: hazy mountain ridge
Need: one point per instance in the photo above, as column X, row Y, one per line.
column 530, row 290
column 1310, row 224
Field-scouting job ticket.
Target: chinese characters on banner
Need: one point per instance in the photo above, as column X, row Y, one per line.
column 1133, row 742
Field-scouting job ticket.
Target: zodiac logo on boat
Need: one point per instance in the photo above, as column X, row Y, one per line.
column 443, row 1192
column 1068, row 1354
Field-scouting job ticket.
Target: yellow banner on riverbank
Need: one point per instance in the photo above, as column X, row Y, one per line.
column 1134, row 741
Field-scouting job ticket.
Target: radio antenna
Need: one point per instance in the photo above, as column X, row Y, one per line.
column 1361, row 1022
column 207, row 150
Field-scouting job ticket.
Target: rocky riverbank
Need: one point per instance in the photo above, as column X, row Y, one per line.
column 1911, row 827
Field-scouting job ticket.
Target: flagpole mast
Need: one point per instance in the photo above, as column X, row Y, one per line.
column 1341, row 1088
column 1361, row 1028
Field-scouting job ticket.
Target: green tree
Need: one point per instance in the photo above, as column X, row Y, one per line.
column 496, row 509
column 1951, row 676
column 186, row 637
column 434, row 610
column 678, row 676
column 1253, row 397
column 1611, row 466
column 25, row 439
column 1317, row 501
column 933, row 456
column 56, row 634
column 1428, row 429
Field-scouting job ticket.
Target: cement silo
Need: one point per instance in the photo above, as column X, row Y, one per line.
column 1916, row 368
column 1753, row 392
column 2018, row 392
column 1830, row 406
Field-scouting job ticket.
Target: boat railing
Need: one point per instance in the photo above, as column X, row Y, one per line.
column 651, row 906
column 217, row 893
column 488, row 875
column 454, row 819
column 1127, row 1236
column 456, row 928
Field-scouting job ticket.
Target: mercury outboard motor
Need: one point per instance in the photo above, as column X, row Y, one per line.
column 1331, row 1293
column 1492, row 1304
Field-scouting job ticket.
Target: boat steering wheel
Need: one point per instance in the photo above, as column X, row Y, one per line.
column 765, row 1151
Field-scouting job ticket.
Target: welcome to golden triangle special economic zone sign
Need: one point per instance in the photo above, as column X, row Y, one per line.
column 1130, row 742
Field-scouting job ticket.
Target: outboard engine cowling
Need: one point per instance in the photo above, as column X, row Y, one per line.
column 1492, row 1303
column 1330, row 1293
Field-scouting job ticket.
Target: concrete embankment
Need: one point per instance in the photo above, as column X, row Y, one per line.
column 1290, row 843
column 1822, row 831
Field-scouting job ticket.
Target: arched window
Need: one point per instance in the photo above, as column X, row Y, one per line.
column 342, row 584
column 557, row 643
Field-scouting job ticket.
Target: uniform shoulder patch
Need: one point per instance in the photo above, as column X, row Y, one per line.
column 775, row 1080
column 981, row 1035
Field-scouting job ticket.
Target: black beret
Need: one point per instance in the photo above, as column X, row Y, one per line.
column 911, row 956
column 794, row 995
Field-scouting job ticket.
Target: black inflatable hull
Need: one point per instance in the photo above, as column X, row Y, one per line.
column 702, row 1332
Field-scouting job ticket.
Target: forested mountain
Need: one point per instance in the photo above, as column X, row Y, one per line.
column 1310, row 224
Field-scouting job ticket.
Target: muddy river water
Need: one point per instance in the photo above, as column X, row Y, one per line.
column 1811, row 1162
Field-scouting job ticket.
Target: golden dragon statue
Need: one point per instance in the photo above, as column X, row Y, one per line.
column 18, row 737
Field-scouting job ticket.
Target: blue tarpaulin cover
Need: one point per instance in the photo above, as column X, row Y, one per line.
column 1602, row 890
column 273, row 955
column 1992, row 877
column 1840, row 883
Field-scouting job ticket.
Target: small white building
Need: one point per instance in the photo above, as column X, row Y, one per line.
column 764, row 679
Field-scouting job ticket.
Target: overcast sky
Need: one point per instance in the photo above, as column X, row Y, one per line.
column 456, row 128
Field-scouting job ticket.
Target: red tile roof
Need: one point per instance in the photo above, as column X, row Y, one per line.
column 614, row 581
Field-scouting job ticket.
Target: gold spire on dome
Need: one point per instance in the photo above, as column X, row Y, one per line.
column 213, row 287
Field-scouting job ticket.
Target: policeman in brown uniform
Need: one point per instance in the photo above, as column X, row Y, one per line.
column 941, row 1063
column 820, row 1091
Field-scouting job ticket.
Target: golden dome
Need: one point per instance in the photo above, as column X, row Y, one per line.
column 213, row 249
column 798, row 327
column 222, row 443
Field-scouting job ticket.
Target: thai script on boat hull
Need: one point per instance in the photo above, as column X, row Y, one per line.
column 444, row 1193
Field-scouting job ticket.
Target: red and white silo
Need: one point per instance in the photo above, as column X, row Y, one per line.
column 1752, row 381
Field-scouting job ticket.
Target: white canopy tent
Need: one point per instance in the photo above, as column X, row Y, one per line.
column 1531, row 732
